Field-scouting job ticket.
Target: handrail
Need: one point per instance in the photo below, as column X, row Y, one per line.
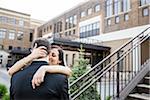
column 109, row 56
column 95, row 76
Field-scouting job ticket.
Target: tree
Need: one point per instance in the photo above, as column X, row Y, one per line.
column 79, row 68
column 3, row 93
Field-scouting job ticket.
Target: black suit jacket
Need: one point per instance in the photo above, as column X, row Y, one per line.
column 54, row 87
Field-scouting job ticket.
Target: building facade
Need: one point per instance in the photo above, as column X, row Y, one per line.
column 16, row 33
column 103, row 22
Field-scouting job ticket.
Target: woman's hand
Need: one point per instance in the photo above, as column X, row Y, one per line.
column 38, row 52
column 38, row 77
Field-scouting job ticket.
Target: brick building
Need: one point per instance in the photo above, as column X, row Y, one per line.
column 16, row 34
column 102, row 22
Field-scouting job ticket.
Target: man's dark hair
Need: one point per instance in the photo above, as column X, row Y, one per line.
column 42, row 42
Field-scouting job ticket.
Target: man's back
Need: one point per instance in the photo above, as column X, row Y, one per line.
column 55, row 86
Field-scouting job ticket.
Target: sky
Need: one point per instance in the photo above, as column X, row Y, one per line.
column 40, row 9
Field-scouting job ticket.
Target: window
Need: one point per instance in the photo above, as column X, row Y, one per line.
column 1, row 60
column 10, row 47
column 21, row 22
column 83, row 14
column 3, row 19
column 66, row 24
column 50, row 27
column 117, row 19
column 126, row 17
column 60, row 29
column 40, row 33
column 66, row 33
column 67, row 59
column 145, row 12
column 83, row 29
column 70, row 22
column 98, row 25
column 97, row 8
column 19, row 48
column 89, row 11
column 2, row 33
column 47, row 29
column 74, row 20
column 74, row 31
column 89, row 30
column 108, row 22
column 12, row 21
column 90, row 27
column 20, row 35
column 94, row 25
column 11, row 34
column 44, row 29
column 69, row 32
column 144, row 2
column 73, row 59
column 120, row 63
column 126, row 5
column 1, row 46
column 31, row 37
column 117, row 6
column 109, row 8
column 55, row 28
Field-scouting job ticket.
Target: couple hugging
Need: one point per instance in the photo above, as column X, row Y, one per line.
column 42, row 75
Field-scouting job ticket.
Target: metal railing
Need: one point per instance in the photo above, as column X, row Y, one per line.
column 114, row 72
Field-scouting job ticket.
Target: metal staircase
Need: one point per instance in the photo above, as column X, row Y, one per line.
column 115, row 74
column 142, row 89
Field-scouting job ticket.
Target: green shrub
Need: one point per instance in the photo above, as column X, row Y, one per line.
column 108, row 97
column 3, row 90
column 6, row 97
column 79, row 68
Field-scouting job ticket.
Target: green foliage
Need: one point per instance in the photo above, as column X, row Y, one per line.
column 79, row 68
column 3, row 90
column 108, row 97
column 4, row 93
column 6, row 97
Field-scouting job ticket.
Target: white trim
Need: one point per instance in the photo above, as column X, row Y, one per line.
column 47, row 35
column 89, row 21
column 116, row 35
column 122, row 34
column 15, row 14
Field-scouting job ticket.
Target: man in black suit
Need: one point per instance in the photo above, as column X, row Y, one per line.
column 54, row 87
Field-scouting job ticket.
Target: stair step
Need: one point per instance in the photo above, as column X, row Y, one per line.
column 139, row 96
column 147, row 78
column 143, row 86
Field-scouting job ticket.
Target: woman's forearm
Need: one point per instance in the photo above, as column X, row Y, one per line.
column 36, row 53
column 58, row 69
column 20, row 64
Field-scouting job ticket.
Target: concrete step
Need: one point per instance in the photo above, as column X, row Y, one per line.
column 140, row 96
column 147, row 78
column 144, row 86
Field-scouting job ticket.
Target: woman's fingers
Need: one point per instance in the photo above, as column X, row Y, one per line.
column 37, row 80
column 33, row 83
column 38, row 52
column 38, row 77
column 42, row 53
column 35, row 46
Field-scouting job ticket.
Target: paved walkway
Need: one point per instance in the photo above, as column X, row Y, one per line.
column 4, row 77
